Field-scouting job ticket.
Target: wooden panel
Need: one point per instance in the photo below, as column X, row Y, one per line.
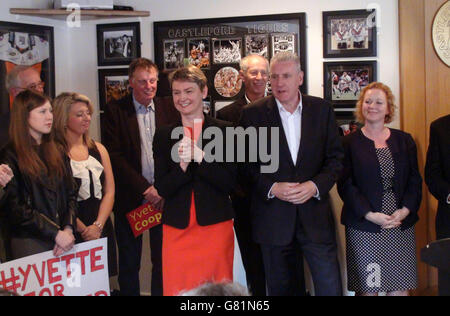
column 412, row 101
column 424, row 96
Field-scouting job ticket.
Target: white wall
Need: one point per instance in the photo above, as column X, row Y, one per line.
column 76, row 52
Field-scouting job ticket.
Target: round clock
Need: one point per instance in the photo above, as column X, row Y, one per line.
column 441, row 33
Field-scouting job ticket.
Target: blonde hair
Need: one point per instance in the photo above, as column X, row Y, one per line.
column 61, row 109
column 389, row 97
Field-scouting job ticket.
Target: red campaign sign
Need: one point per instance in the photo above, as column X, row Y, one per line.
column 143, row 218
column 81, row 271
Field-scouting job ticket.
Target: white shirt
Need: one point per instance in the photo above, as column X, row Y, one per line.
column 292, row 126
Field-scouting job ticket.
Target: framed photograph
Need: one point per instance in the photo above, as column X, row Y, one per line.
column 27, row 45
column 257, row 44
column 343, row 81
column 283, row 43
column 173, row 54
column 349, row 33
column 227, row 50
column 217, row 46
column 199, row 52
column 118, row 43
column 113, row 85
column 345, row 119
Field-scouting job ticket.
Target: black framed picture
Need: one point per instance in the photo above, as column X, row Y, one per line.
column 216, row 46
column 113, row 85
column 344, row 81
column 349, row 33
column 174, row 54
column 346, row 121
column 27, row 45
column 118, row 43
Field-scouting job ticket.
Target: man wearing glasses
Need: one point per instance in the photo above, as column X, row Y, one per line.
column 22, row 78
column 19, row 79
column 128, row 131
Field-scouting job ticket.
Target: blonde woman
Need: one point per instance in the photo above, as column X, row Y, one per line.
column 91, row 168
column 381, row 189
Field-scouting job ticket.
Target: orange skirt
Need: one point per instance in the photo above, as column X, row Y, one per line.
column 196, row 254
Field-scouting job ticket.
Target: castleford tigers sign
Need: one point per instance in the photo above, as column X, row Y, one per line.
column 143, row 218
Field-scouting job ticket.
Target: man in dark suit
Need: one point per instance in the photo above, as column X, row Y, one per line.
column 437, row 177
column 254, row 73
column 129, row 127
column 290, row 207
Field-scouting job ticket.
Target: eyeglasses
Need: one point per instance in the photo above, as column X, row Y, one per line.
column 34, row 86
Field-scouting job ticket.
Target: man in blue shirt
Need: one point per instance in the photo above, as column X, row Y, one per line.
column 128, row 130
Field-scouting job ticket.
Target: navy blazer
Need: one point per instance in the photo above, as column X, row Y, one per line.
column 361, row 188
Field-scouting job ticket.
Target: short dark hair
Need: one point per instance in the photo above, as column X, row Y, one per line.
column 189, row 74
column 141, row 63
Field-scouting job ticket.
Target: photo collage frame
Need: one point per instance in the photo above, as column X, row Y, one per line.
column 216, row 46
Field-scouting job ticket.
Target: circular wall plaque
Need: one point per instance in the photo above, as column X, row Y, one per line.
column 227, row 82
column 441, row 33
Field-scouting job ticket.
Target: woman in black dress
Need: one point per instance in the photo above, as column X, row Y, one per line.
column 91, row 168
column 381, row 189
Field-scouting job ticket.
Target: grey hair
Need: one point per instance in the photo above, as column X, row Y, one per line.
column 286, row 57
column 12, row 79
column 217, row 289
column 243, row 65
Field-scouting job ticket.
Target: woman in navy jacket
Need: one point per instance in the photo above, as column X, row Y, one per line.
column 381, row 188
